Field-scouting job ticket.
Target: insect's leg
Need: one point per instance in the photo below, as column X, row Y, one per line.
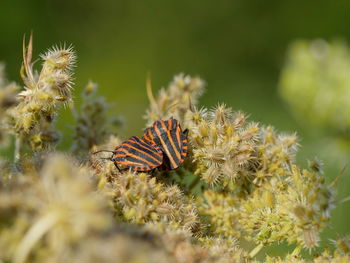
column 120, row 171
column 151, row 172
column 185, row 132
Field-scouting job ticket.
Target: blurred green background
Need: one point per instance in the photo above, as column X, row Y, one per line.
column 238, row 47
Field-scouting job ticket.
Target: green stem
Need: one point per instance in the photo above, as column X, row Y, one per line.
column 17, row 153
column 346, row 199
column 194, row 183
column 255, row 251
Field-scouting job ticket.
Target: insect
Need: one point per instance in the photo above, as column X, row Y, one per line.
column 137, row 155
column 163, row 146
column 169, row 136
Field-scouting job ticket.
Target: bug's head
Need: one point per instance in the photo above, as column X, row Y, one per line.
column 105, row 158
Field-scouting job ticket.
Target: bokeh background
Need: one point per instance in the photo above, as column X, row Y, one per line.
column 238, row 47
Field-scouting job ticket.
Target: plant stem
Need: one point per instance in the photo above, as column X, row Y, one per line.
column 297, row 250
column 17, row 153
column 33, row 235
column 194, row 183
column 346, row 199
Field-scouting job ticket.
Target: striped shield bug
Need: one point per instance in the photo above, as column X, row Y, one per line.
column 136, row 154
column 169, row 136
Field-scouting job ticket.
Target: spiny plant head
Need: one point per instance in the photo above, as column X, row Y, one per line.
column 139, row 198
column 296, row 209
column 223, row 144
column 174, row 101
column 221, row 214
column 44, row 93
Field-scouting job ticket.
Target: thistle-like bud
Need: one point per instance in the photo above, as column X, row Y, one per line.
column 296, row 209
column 176, row 100
column 220, row 211
column 224, row 146
column 43, row 95
column 139, row 198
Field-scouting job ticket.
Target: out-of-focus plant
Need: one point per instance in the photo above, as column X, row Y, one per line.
column 8, row 99
column 315, row 82
column 239, row 187
column 64, row 206
column 93, row 126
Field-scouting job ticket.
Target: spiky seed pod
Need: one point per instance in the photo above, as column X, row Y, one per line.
column 275, row 154
column 296, row 209
column 141, row 199
column 342, row 245
column 43, row 95
column 220, row 211
column 176, row 100
column 223, row 144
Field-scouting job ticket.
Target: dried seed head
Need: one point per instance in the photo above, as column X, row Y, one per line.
column 44, row 94
column 176, row 101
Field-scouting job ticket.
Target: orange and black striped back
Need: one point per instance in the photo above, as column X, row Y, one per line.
column 137, row 154
column 171, row 139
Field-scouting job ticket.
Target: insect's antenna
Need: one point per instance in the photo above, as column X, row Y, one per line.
column 102, row 151
column 105, row 158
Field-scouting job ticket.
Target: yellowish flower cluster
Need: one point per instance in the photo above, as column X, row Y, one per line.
column 43, row 95
column 239, row 187
column 295, row 209
column 139, row 198
column 261, row 194
column 175, row 100
column 221, row 213
column 224, row 145
column 56, row 208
